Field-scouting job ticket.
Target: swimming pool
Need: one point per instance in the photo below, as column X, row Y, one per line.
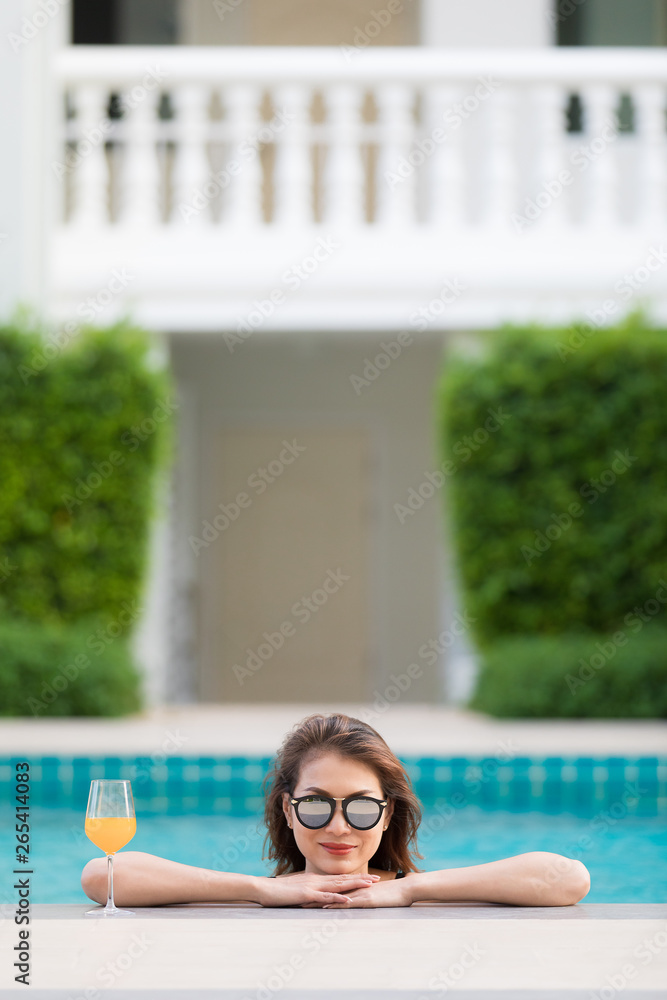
column 611, row 813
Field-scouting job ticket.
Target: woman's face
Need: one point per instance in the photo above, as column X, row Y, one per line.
column 337, row 777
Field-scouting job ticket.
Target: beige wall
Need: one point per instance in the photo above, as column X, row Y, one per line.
column 298, row 22
column 281, row 381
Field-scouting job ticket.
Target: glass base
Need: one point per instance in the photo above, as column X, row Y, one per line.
column 102, row 911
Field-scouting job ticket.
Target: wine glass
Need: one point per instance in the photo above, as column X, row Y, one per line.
column 110, row 824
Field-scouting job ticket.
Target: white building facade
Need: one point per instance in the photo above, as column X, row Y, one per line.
column 304, row 202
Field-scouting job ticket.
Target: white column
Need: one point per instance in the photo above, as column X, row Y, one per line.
column 293, row 167
column 90, row 174
column 151, row 638
column 501, row 168
column 343, row 180
column 191, row 167
column 445, row 170
column 600, row 102
column 649, row 102
column 396, row 193
column 28, row 186
column 243, row 196
column 140, row 181
column 551, row 102
column 182, row 669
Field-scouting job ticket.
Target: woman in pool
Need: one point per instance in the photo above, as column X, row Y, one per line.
column 341, row 818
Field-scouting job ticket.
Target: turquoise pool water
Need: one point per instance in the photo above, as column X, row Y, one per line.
column 611, row 814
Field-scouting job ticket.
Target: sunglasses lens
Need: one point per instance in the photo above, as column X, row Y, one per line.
column 363, row 813
column 314, row 812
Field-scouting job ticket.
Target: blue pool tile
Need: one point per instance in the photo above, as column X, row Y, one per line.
column 648, row 770
column 520, row 793
column 583, row 788
column 489, row 794
column 51, row 792
column 112, row 766
column 237, row 779
column 582, row 785
column 143, row 778
column 81, row 777
column 175, row 786
column 207, row 783
column 458, row 783
column 427, row 784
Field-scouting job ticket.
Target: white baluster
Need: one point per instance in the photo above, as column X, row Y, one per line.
column 140, row 193
column 551, row 103
column 445, row 178
column 293, row 168
column 395, row 192
column 343, row 175
column 243, row 195
column 192, row 171
column 500, row 177
column 600, row 102
column 90, row 180
column 649, row 102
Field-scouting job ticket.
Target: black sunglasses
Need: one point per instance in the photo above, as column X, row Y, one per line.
column 360, row 811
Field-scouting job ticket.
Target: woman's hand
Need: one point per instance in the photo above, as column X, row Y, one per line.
column 306, row 889
column 388, row 892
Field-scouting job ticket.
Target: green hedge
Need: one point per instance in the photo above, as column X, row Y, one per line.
column 559, row 504
column 50, row 670
column 83, row 430
column 575, row 676
column 554, row 447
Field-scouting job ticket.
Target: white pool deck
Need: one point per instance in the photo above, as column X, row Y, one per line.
column 244, row 730
column 462, row 951
column 233, row 952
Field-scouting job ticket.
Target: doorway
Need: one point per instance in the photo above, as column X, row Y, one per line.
column 285, row 565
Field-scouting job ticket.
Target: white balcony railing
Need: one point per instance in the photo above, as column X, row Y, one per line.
column 403, row 145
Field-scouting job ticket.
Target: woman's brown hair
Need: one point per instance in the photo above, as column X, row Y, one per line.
column 348, row 737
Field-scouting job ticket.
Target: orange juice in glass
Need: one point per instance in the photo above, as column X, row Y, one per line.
column 110, row 824
column 110, row 833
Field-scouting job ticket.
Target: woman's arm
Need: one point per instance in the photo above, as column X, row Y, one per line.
column 535, row 879
column 146, row 880
column 141, row 879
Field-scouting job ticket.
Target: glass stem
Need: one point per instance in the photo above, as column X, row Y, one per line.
column 110, row 903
